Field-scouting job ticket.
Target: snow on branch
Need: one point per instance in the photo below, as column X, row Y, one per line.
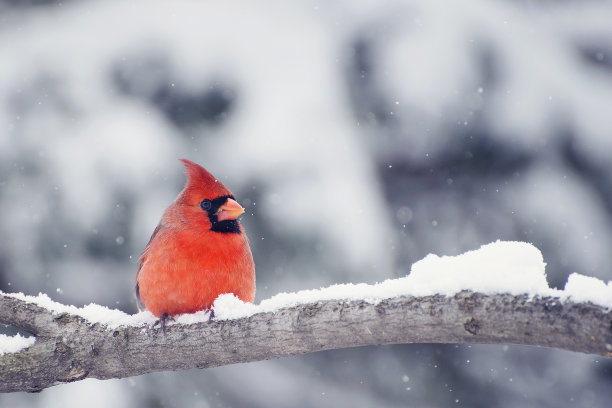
column 496, row 295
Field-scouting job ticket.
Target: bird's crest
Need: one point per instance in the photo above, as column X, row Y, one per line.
column 200, row 184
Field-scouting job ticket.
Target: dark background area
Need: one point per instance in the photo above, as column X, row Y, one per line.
column 360, row 136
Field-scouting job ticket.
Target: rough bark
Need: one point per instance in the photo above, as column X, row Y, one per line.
column 69, row 348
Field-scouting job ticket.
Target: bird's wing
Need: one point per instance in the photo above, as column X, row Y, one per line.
column 141, row 262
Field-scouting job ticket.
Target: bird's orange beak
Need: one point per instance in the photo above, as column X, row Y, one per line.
column 229, row 211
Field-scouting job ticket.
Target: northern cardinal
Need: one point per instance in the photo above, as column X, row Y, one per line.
column 198, row 251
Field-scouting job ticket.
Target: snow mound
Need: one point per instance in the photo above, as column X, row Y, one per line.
column 499, row 267
column 580, row 288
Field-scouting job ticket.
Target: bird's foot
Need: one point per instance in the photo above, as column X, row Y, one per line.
column 163, row 319
column 211, row 315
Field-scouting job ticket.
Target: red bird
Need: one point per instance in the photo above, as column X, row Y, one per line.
column 198, row 251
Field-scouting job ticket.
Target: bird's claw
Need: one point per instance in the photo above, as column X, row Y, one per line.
column 162, row 321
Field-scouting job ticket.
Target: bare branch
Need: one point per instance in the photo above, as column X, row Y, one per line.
column 70, row 348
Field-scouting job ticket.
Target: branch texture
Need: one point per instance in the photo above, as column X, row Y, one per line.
column 69, row 348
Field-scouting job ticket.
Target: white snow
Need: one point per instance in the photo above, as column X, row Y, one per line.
column 112, row 318
column 14, row 344
column 499, row 267
column 580, row 288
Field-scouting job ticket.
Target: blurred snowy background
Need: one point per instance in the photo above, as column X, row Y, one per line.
column 359, row 135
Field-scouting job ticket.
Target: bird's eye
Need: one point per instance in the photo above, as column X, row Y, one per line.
column 206, row 205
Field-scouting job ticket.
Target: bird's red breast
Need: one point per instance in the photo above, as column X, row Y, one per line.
column 198, row 251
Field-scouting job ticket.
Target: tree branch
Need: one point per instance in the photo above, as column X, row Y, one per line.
column 28, row 316
column 69, row 348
